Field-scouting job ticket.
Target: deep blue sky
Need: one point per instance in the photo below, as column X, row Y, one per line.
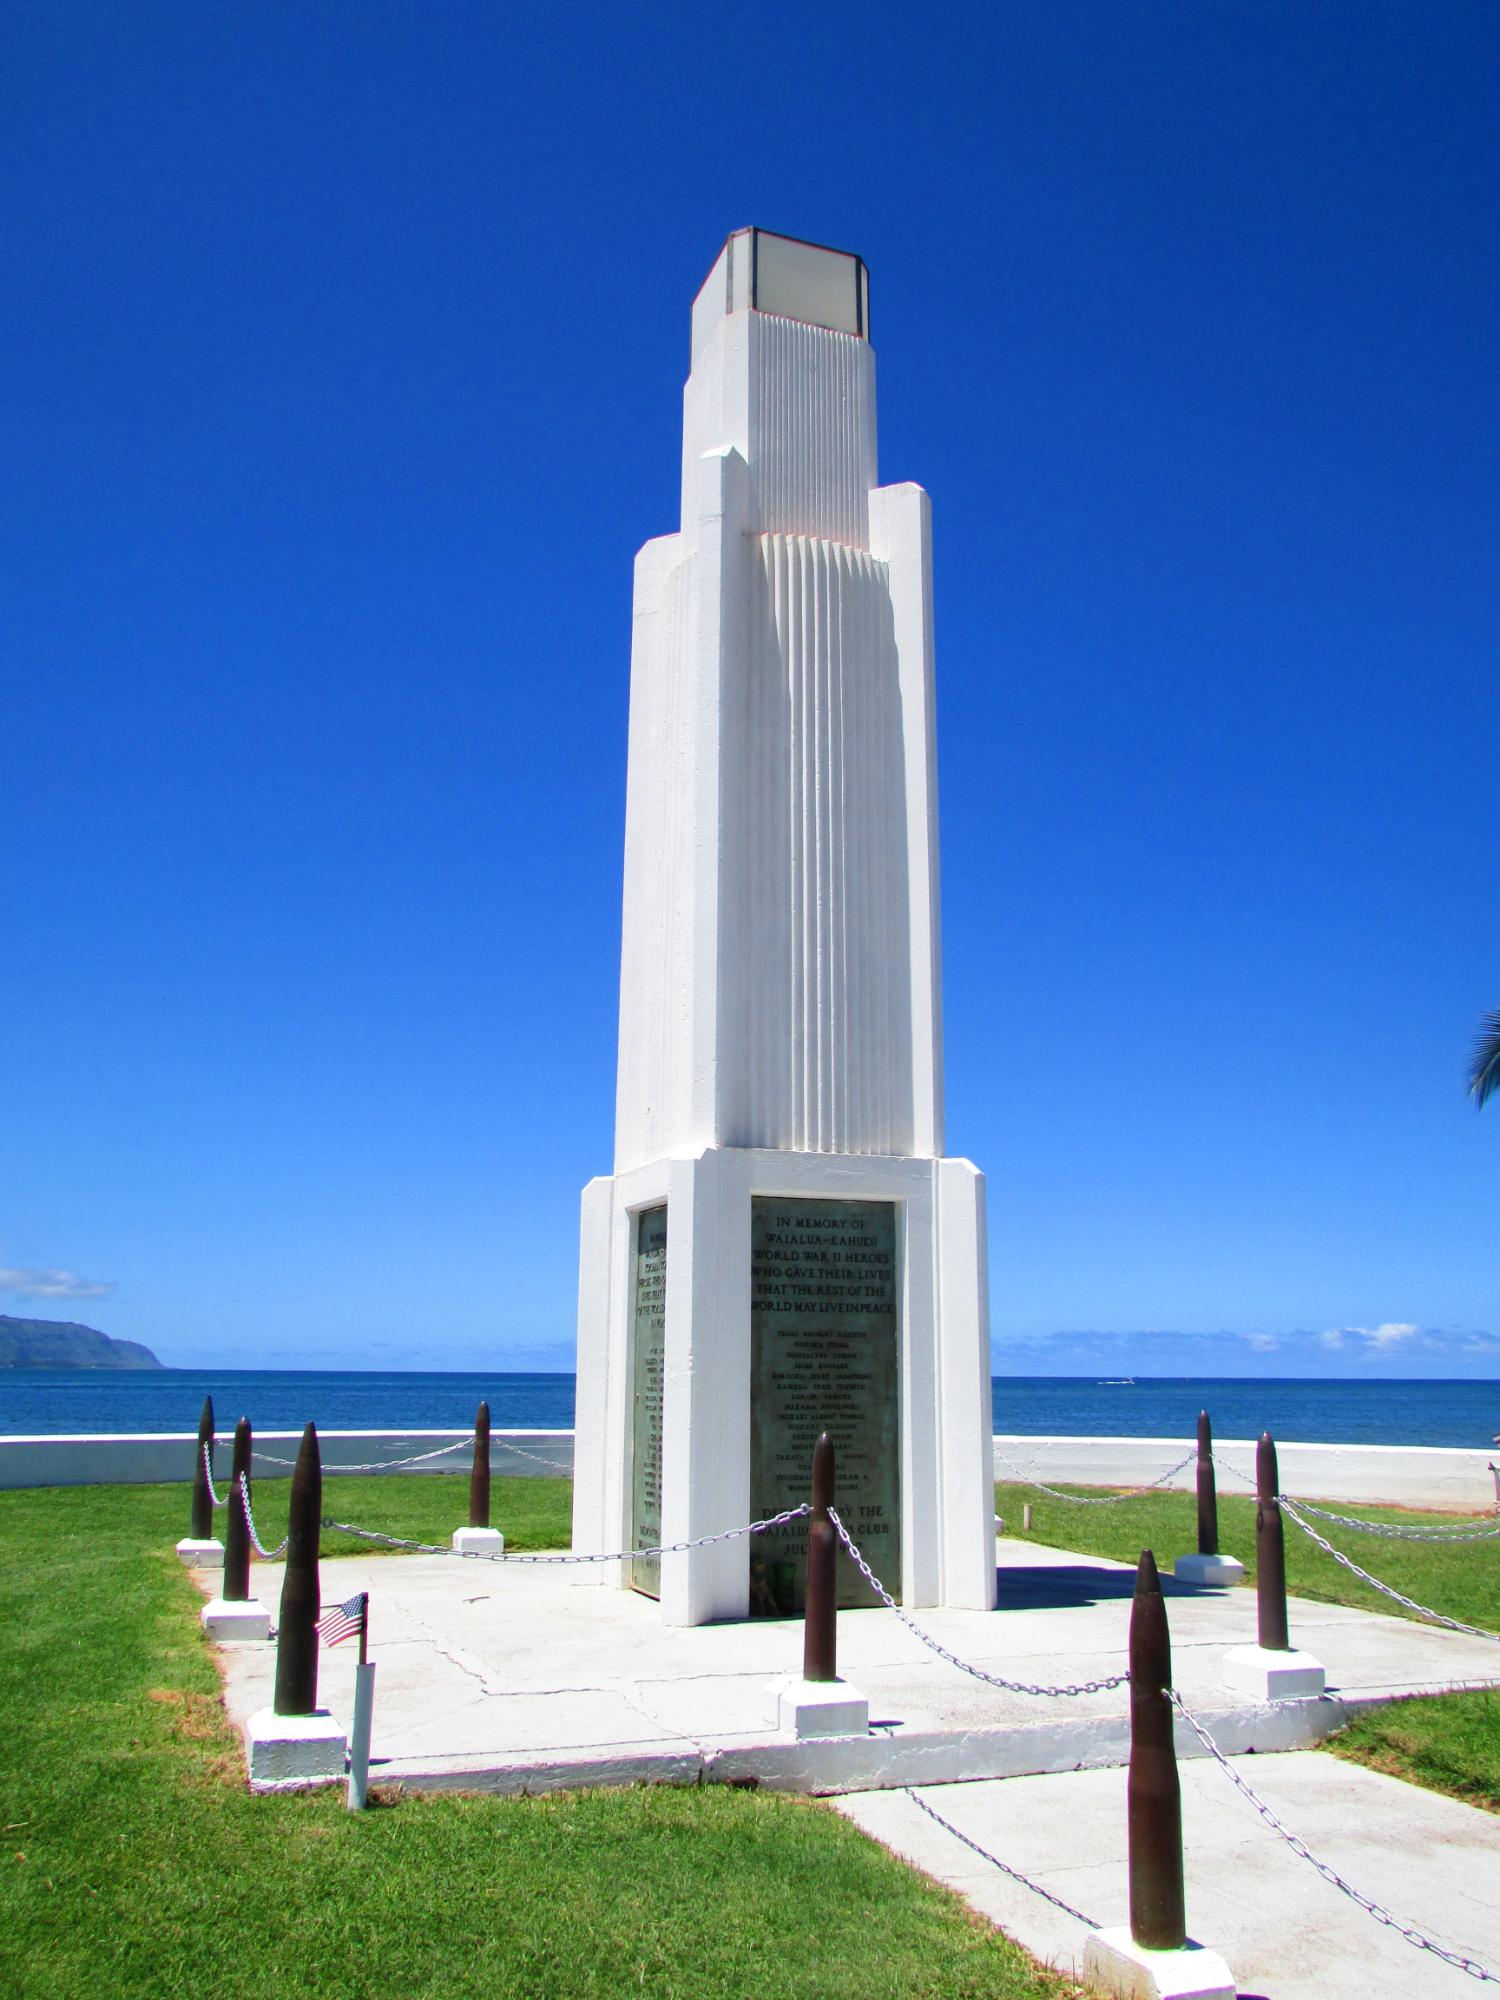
column 343, row 358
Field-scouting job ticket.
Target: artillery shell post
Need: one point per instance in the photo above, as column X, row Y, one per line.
column 479, row 1475
column 1270, row 1553
column 202, row 1526
column 297, row 1633
column 1208, row 1494
column 1272, row 1669
column 201, row 1548
column 236, row 1615
column 1153, row 1954
column 820, row 1621
column 818, row 1703
column 479, row 1538
column 1206, row 1565
column 1158, row 1916
column 237, row 1528
column 294, row 1743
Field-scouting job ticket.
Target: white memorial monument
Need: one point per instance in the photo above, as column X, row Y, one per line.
column 782, row 1247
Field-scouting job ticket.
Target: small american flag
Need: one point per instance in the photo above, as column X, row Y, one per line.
column 346, row 1621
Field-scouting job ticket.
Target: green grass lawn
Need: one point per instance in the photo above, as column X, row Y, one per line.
column 1450, row 1743
column 135, row 1864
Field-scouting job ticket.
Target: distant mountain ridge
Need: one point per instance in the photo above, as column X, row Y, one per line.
column 62, row 1343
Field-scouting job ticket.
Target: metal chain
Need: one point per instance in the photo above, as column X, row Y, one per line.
column 208, row 1471
column 1422, row 1610
column 1402, row 1531
column 619, row 1555
column 1406, row 1531
column 1097, row 1500
column 1245, row 1478
column 1004, row 1866
column 522, row 1452
column 384, row 1465
column 1299, row 1847
column 979, row 1673
column 261, row 1549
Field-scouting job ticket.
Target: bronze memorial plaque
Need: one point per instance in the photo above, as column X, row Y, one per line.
column 650, row 1347
column 823, row 1342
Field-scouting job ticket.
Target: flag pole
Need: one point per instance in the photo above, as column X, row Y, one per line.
column 359, row 1735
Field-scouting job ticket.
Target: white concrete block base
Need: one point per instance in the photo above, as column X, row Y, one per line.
column 289, row 1753
column 201, row 1555
column 1268, row 1676
column 818, row 1708
column 1221, row 1571
column 228, row 1624
column 478, row 1542
column 1117, row 1965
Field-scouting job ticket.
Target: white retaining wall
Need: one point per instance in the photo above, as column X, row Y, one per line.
column 1399, row 1475
column 1411, row 1475
column 149, row 1458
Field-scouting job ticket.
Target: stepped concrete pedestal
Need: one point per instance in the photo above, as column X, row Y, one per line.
column 201, row 1555
column 230, row 1624
column 291, row 1753
column 535, row 1680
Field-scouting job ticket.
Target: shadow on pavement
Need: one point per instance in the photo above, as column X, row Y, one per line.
column 1020, row 1587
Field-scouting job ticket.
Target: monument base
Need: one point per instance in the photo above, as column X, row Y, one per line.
column 818, row 1708
column 694, row 1341
column 1289, row 1676
column 478, row 1542
column 227, row 1623
column 201, row 1555
column 1117, row 1965
column 290, row 1753
column 1221, row 1571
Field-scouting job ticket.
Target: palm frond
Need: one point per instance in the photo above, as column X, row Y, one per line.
column 1484, row 1063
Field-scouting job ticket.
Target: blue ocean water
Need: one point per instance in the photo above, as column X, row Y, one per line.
column 55, row 1400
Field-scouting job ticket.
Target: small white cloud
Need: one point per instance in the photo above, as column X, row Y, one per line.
column 1333, row 1338
column 1390, row 1334
column 1263, row 1343
column 33, row 1284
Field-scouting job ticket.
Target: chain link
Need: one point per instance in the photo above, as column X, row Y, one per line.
column 208, row 1471
column 1402, row 1531
column 979, row 1673
column 1289, row 1508
column 383, row 1465
column 618, row 1555
column 1097, row 1500
column 1405, row 1531
column 261, row 1549
column 1004, row 1866
column 521, row 1452
column 1245, row 1478
column 1299, row 1847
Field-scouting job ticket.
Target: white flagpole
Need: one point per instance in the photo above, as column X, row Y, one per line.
column 359, row 1738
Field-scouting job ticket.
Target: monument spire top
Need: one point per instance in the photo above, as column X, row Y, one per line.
column 759, row 270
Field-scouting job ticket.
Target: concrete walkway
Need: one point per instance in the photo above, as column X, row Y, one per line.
column 1285, row 1932
column 511, row 1678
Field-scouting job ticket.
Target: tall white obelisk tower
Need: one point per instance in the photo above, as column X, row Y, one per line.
column 782, row 1247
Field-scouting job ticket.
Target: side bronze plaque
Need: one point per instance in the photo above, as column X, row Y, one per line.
column 650, row 1348
column 824, row 1347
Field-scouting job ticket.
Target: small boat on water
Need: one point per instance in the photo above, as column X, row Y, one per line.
column 1117, row 1382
